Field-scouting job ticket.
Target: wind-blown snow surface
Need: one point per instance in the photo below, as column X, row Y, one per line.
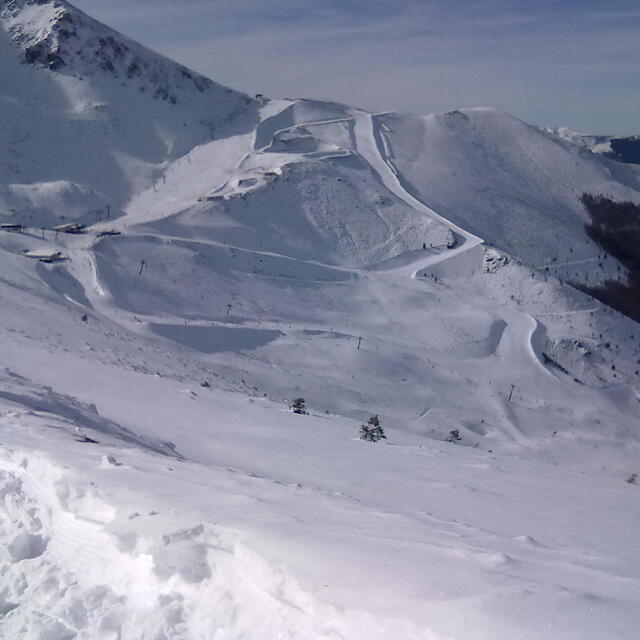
column 154, row 483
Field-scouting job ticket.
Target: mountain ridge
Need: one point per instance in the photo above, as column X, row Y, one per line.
column 110, row 114
column 53, row 36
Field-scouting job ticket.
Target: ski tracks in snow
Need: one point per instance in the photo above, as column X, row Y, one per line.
column 524, row 337
column 368, row 133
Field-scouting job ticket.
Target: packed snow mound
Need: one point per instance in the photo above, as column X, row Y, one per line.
column 82, row 104
column 515, row 186
column 76, row 568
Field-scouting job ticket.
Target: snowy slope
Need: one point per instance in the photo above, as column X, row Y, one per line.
column 89, row 117
column 155, row 484
column 516, row 186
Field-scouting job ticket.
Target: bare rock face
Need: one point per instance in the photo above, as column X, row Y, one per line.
column 493, row 260
column 39, row 26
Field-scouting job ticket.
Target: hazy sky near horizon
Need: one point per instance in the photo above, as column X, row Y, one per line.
column 572, row 63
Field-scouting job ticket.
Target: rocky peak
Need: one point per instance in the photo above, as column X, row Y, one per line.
column 54, row 35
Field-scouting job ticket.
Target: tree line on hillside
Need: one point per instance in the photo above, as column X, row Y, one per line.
column 615, row 227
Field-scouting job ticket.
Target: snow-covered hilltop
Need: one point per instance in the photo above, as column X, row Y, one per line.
column 228, row 255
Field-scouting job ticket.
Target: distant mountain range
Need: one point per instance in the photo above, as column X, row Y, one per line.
column 626, row 149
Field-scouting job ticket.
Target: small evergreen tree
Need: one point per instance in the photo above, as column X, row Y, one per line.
column 298, row 406
column 372, row 431
column 454, row 436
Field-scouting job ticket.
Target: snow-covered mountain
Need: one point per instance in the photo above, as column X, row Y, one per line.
column 516, row 186
column 243, row 252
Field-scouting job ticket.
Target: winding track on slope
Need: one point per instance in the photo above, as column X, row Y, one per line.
column 367, row 133
column 368, row 136
column 370, row 144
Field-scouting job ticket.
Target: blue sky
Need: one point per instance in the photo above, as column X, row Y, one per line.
column 572, row 63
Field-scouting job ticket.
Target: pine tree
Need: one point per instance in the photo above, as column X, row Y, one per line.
column 298, row 406
column 454, row 436
column 372, row 431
